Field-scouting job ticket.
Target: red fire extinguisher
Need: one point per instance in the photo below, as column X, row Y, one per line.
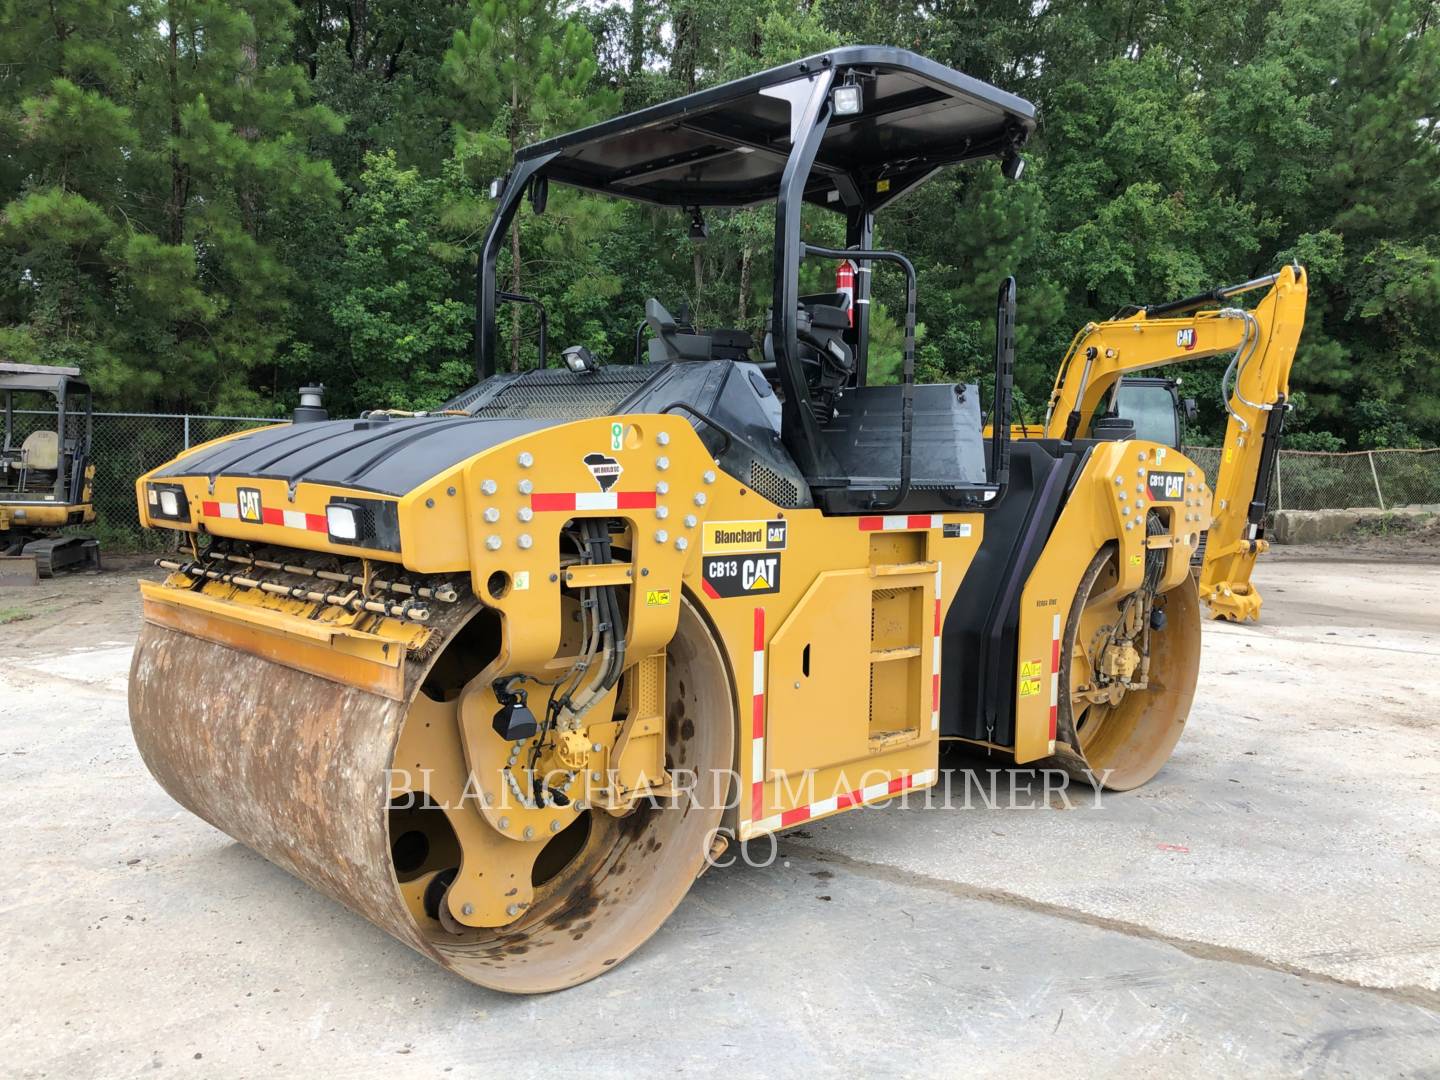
column 845, row 285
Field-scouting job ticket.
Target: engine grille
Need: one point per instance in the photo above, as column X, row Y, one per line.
column 557, row 394
column 767, row 482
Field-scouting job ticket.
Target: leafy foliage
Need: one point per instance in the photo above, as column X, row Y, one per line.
column 208, row 204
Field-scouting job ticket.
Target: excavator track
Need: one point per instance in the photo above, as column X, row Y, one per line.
column 321, row 779
column 56, row 553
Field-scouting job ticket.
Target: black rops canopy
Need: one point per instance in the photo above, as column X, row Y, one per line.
column 728, row 146
column 789, row 135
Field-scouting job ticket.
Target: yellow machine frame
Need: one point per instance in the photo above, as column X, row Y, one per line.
column 808, row 751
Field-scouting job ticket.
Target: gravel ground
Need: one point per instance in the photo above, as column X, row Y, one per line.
column 1264, row 907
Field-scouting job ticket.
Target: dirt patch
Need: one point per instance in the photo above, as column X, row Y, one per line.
column 71, row 609
column 1384, row 538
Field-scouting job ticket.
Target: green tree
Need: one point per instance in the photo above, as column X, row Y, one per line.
column 182, row 214
column 402, row 333
column 523, row 69
column 159, row 159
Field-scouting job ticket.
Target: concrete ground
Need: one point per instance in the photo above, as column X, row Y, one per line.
column 1266, row 906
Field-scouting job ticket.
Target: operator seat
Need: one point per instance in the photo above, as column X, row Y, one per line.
column 39, row 459
column 40, row 451
column 825, row 356
column 669, row 343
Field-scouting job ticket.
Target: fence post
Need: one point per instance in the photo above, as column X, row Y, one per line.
column 1376, row 477
column 187, row 431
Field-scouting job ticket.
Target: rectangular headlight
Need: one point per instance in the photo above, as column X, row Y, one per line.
column 343, row 522
column 168, row 502
column 847, row 100
column 366, row 523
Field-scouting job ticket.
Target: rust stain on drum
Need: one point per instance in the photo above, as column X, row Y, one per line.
column 295, row 767
column 289, row 764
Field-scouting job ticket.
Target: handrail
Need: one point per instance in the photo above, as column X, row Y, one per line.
column 907, row 379
column 1004, row 385
column 521, row 298
column 705, row 418
column 640, row 357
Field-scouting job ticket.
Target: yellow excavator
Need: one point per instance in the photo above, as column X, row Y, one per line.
column 47, row 474
column 505, row 678
column 1255, row 389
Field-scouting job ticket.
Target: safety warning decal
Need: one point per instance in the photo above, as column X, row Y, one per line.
column 1029, row 678
column 734, row 537
column 657, row 598
column 952, row 529
column 741, row 575
column 1165, row 486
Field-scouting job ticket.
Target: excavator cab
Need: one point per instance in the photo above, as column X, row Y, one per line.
column 1154, row 408
column 45, row 472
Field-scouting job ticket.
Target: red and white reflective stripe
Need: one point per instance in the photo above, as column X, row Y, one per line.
column 1054, row 677
column 757, row 720
column 859, row 796
column 758, row 825
column 895, row 522
column 289, row 519
column 592, row 500
column 935, row 660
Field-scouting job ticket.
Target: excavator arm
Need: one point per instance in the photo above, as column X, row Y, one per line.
column 1261, row 343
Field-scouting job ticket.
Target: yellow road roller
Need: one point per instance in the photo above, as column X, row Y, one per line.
column 505, row 677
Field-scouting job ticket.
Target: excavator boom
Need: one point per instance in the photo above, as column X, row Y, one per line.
column 1261, row 343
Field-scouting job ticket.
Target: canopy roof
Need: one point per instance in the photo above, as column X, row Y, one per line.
column 727, row 146
column 43, row 378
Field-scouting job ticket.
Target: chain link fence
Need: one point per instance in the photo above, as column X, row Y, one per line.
column 124, row 446
column 128, row 444
column 1309, row 480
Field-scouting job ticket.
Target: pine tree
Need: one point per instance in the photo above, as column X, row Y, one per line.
column 523, row 69
column 161, row 162
column 65, row 121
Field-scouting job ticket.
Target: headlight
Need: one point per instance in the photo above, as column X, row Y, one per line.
column 847, row 100
column 168, row 502
column 579, row 359
column 343, row 521
column 366, row 523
